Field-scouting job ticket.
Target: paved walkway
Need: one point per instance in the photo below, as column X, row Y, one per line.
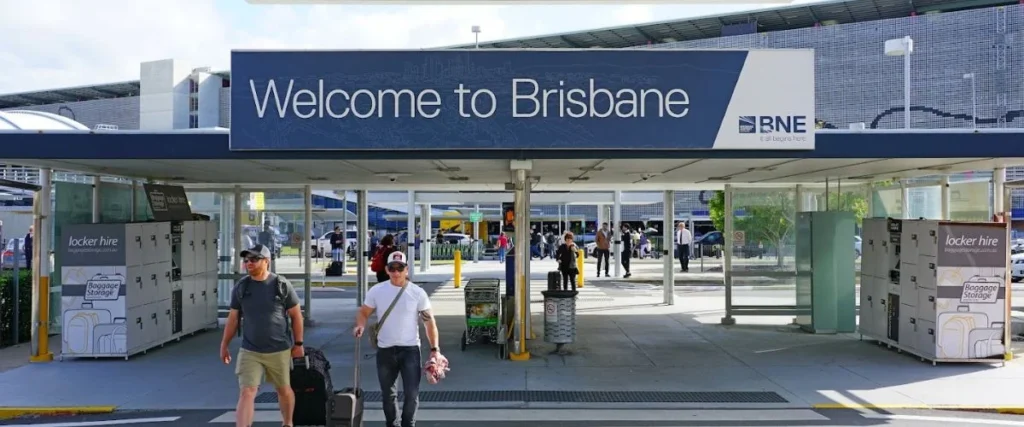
column 632, row 351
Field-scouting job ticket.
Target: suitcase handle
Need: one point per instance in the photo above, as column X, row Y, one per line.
column 356, row 364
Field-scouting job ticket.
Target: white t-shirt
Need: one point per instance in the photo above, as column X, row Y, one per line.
column 402, row 327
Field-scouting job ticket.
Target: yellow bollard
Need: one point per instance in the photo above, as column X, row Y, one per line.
column 579, row 269
column 458, row 268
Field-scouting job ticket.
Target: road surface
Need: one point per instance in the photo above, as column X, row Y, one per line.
column 562, row 417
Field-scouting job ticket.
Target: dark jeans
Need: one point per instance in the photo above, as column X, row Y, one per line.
column 683, row 251
column 569, row 278
column 625, row 257
column 391, row 362
column 603, row 254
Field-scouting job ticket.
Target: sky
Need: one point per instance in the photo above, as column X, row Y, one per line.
column 52, row 44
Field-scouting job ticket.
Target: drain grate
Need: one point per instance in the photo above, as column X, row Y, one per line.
column 580, row 396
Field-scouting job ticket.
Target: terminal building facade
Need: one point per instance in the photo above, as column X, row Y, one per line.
column 966, row 70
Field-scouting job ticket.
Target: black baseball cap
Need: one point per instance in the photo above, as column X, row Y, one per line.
column 256, row 251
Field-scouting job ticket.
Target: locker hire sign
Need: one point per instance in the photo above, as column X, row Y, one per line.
column 168, row 202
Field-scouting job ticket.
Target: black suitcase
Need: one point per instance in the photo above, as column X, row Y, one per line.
column 346, row 407
column 336, row 269
column 554, row 280
column 311, row 382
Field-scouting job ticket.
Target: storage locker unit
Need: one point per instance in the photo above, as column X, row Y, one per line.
column 123, row 292
column 945, row 295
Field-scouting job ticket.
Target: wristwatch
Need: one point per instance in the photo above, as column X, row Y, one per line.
column 434, row 350
column 298, row 343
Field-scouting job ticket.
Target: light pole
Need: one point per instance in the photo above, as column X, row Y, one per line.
column 903, row 47
column 476, row 36
column 974, row 100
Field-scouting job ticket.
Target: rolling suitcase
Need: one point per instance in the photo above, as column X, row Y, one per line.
column 346, row 407
column 336, row 269
column 554, row 280
column 311, row 382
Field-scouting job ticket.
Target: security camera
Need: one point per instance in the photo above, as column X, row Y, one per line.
column 392, row 178
column 645, row 177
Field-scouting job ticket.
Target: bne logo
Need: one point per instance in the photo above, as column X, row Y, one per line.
column 773, row 124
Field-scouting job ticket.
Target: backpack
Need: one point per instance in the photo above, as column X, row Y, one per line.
column 377, row 265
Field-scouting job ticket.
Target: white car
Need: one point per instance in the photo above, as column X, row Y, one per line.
column 323, row 243
column 1017, row 267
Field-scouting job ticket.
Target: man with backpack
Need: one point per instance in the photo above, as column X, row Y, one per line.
column 267, row 303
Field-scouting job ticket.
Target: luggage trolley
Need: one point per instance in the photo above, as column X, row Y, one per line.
column 484, row 313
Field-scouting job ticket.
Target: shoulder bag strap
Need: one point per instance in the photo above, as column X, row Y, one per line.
column 388, row 311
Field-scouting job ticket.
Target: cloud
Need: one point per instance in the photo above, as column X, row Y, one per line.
column 63, row 43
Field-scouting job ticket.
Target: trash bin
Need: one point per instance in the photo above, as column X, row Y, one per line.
column 560, row 317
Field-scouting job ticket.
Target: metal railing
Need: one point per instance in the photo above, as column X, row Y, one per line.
column 31, row 175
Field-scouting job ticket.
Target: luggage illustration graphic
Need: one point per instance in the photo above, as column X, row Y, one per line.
column 79, row 325
column 955, row 329
column 987, row 342
column 111, row 338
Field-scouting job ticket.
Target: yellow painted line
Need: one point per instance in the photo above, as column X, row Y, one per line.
column 15, row 412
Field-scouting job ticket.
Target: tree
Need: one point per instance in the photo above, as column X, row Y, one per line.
column 856, row 203
column 768, row 218
column 716, row 210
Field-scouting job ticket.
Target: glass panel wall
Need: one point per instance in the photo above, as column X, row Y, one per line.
column 970, row 201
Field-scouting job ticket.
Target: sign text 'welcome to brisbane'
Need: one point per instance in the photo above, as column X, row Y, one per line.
column 520, row 99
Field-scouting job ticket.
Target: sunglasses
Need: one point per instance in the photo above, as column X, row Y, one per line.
column 253, row 259
column 396, row 267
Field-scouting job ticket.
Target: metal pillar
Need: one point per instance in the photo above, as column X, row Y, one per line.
column 944, row 201
column 362, row 230
column 727, row 258
column 1001, row 201
column 308, row 238
column 237, row 234
column 905, row 199
column 410, row 235
column 528, row 266
column 344, row 234
column 477, row 246
column 617, row 235
column 96, row 216
column 135, row 200
column 668, row 239
column 522, row 259
column 41, row 206
column 425, row 238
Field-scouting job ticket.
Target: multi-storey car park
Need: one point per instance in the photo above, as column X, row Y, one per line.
column 967, row 60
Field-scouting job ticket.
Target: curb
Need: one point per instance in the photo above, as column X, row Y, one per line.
column 7, row 413
column 1012, row 410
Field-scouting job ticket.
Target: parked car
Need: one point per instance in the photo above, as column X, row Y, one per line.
column 857, row 245
column 8, row 255
column 1016, row 267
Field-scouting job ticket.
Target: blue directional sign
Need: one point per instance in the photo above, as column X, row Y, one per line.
column 522, row 99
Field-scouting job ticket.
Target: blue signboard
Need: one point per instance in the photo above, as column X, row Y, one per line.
column 522, row 99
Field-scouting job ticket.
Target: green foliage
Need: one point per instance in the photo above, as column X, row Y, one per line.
column 768, row 219
column 716, row 210
column 857, row 203
column 7, row 306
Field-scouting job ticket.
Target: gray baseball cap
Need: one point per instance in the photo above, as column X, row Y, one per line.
column 258, row 251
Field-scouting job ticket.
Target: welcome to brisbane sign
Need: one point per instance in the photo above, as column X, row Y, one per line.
column 522, row 99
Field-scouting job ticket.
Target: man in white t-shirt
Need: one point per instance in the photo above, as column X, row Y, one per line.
column 398, row 339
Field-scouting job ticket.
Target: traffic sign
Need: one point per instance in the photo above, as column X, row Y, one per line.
column 739, row 237
column 476, row 216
